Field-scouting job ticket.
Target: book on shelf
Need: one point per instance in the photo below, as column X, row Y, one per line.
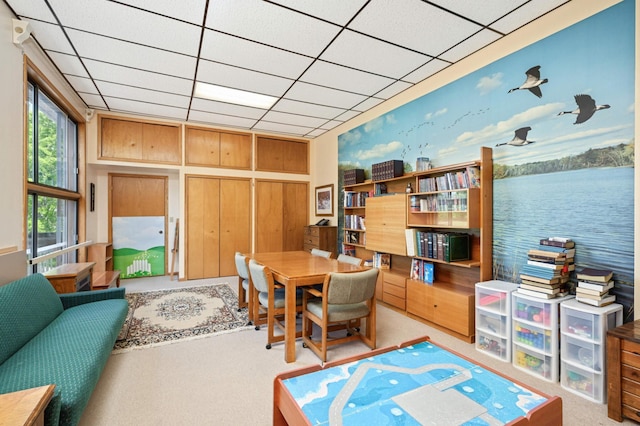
column 540, row 280
column 593, row 286
column 594, row 274
column 540, row 272
column 538, row 294
column 455, row 247
column 543, row 285
column 382, row 260
column 582, row 292
column 412, row 241
column 547, row 254
column 558, row 242
column 568, row 252
column 473, row 176
column 547, row 290
column 553, row 266
column 607, row 300
column 547, row 259
column 348, row 249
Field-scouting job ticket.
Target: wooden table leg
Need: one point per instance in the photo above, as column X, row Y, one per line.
column 290, row 322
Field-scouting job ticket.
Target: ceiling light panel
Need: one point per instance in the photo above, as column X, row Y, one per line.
column 426, row 70
column 366, row 53
column 127, row 23
column 271, row 24
column 188, row 10
column 305, row 92
column 132, row 55
column 221, row 120
column 301, row 120
column 35, row 9
column 526, row 14
column 484, row 12
column 414, row 24
column 238, row 78
column 138, row 78
column 146, row 108
column 339, row 77
column 251, row 55
column 288, row 105
column 144, row 95
column 470, row 45
column 336, row 11
column 68, row 64
column 51, row 37
column 206, row 105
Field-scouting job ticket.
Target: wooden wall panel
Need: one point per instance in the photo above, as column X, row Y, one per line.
column 295, row 215
column 211, row 228
column 269, row 216
column 235, row 222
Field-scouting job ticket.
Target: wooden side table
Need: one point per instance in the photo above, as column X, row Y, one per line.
column 623, row 372
column 25, row 407
column 71, row 277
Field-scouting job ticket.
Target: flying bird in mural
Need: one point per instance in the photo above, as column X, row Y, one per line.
column 533, row 82
column 520, row 138
column 586, row 108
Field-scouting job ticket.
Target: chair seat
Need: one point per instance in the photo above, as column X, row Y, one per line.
column 245, row 285
column 338, row 313
column 279, row 298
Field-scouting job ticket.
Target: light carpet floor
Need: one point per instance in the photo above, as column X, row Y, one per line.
column 228, row 379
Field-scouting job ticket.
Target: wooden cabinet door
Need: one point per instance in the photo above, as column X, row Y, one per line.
column 295, row 203
column 161, row 144
column 202, row 147
column 269, row 216
column 454, row 310
column 202, row 227
column 120, row 139
column 420, row 300
column 235, row 222
column 235, row 150
column 386, row 220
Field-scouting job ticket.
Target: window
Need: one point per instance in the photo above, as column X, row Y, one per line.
column 52, row 180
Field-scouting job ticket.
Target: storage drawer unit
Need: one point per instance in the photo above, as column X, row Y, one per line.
column 394, row 290
column 321, row 237
column 493, row 318
column 623, row 372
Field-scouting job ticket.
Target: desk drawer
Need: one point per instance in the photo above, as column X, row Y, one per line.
column 630, row 353
column 391, row 299
column 311, row 231
column 395, row 290
column 311, row 240
column 395, row 280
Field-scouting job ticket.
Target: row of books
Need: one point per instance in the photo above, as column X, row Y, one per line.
column 348, row 249
column 354, row 221
column 381, row 260
column 455, row 201
column 387, row 170
column 546, row 273
column 355, row 237
column 444, row 246
column 355, row 199
column 422, row 270
column 594, row 286
column 469, row 178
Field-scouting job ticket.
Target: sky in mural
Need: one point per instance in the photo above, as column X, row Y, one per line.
column 450, row 124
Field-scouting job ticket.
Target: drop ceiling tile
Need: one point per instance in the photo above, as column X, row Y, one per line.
column 393, row 89
column 68, row 64
column 348, row 115
column 295, row 107
column 525, row 14
column 118, row 52
column 221, row 120
column 126, row 105
column 113, row 90
column 189, row 10
column 251, row 55
column 339, row 77
column 295, row 119
column 414, row 24
column 484, row 12
column 282, row 128
column 426, row 70
column 365, row 105
column 331, row 124
column 271, row 24
column 205, row 105
column 92, row 101
column 238, row 78
column 138, row 78
column 467, row 47
column 366, row 53
column 127, row 23
column 336, row 11
column 304, row 92
column 82, row 84
column 35, row 9
column 315, row 133
column 51, row 37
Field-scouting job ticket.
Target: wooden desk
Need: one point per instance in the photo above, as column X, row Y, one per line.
column 25, row 407
column 294, row 269
column 71, row 277
column 623, row 371
column 432, row 385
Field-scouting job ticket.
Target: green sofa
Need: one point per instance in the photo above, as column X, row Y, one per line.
column 66, row 339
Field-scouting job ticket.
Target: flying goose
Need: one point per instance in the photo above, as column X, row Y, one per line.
column 586, row 108
column 520, row 138
column 533, row 82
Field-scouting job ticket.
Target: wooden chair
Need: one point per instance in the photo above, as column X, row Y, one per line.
column 323, row 253
column 245, row 287
column 345, row 297
column 350, row 259
column 268, row 302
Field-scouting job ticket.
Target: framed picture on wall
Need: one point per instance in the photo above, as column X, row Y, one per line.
column 324, row 200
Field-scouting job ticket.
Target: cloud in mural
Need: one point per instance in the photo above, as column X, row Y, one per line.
column 378, row 151
column 430, row 115
column 488, row 84
column 352, row 137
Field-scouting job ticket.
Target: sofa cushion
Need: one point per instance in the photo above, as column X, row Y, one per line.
column 28, row 306
column 70, row 353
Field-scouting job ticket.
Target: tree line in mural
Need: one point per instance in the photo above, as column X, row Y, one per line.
column 621, row 155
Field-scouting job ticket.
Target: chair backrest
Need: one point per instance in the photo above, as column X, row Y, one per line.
column 323, row 253
column 260, row 276
column 241, row 266
column 349, row 259
column 351, row 287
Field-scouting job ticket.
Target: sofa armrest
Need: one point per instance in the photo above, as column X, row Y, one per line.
column 74, row 299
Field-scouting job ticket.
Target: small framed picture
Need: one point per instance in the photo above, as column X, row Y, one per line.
column 324, row 200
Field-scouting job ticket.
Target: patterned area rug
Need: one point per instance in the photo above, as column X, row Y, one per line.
column 169, row 316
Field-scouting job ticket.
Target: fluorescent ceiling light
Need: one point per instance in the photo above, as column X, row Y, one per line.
column 234, row 96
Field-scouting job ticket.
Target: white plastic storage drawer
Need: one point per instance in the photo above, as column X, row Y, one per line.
column 496, row 346
column 585, row 383
column 536, row 337
column 536, row 364
column 532, row 311
column 493, row 323
column 589, row 322
column 582, row 353
column 492, row 300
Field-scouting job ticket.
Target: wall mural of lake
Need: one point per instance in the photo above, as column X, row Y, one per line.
column 559, row 115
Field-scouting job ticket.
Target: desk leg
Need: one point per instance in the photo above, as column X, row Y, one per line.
column 290, row 323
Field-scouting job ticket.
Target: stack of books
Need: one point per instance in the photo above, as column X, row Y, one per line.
column 594, row 285
column 546, row 273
